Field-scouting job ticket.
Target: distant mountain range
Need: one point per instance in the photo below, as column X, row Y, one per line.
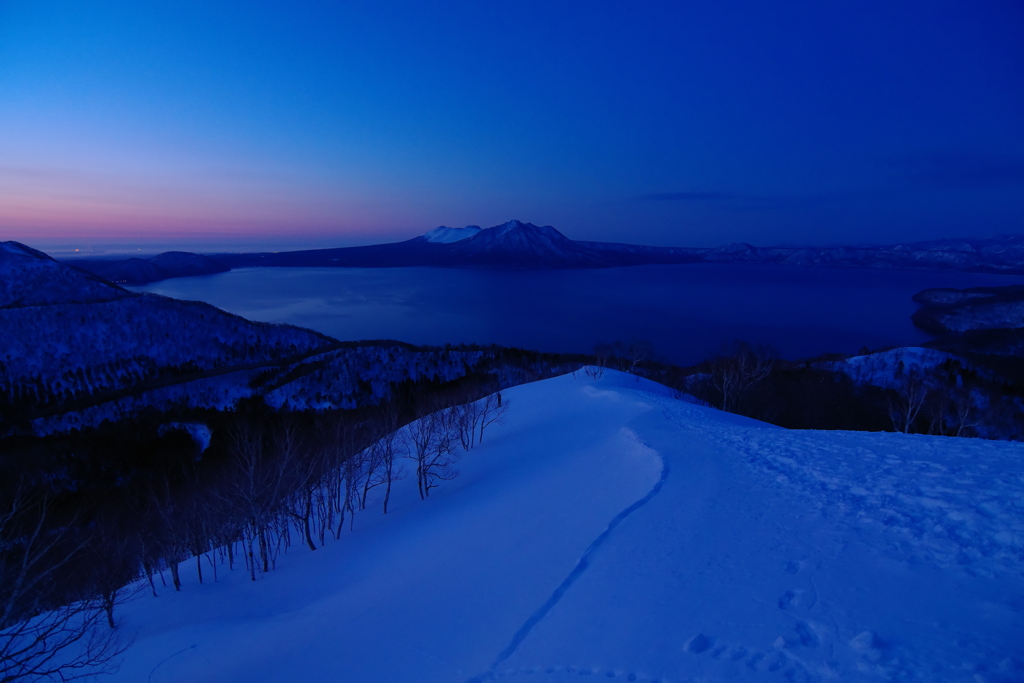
column 517, row 245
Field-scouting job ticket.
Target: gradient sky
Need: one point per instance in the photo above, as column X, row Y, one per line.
column 328, row 124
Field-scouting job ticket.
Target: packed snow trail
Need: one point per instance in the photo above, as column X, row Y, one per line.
column 564, row 550
column 580, row 567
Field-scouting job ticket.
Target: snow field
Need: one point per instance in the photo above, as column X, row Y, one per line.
column 608, row 530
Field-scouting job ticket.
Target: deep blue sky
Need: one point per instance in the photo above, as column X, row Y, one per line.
column 306, row 123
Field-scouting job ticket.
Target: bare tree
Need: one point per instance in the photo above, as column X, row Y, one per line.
column 373, row 461
column 173, row 542
column 393, row 446
column 303, row 468
column 352, row 473
column 952, row 400
column 332, row 440
column 733, row 372
column 911, row 388
column 603, row 354
column 46, row 635
column 114, row 563
column 423, row 438
column 965, row 414
column 466, row 418
column 492, row 411
column 636, row 352
column 382, row 458
column 255, row 491
column 432, row 441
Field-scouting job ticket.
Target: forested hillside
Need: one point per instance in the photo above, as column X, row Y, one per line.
column 78, row 350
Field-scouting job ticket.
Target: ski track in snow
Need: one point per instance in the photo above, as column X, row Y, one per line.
column 569, row 580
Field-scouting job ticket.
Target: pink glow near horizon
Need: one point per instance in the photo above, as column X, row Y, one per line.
column 74, row 214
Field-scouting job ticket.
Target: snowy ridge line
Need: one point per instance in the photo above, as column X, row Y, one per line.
column 570, row 579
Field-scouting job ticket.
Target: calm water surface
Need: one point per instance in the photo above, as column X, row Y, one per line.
column 686, row 311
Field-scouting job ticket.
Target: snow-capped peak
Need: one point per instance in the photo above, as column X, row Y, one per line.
column 505, row 227
column 446, row 235
column 534, row 231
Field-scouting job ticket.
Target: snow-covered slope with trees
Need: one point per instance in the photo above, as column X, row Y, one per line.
column 31, row 278
column 72, row 340
column 609, row 530
column 77, row 350
column 886, row 368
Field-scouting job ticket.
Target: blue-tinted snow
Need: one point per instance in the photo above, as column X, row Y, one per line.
column 610, row 530
column 445, row 235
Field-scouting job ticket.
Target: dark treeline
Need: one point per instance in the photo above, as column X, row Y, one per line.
column 978, row 396
column 86, row 514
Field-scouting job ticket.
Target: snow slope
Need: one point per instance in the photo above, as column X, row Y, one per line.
column 445, row 235
column 610, row 530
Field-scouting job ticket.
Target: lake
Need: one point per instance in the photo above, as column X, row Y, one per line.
column 685, row 311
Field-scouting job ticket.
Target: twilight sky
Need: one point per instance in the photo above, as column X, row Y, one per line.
column 257, row 124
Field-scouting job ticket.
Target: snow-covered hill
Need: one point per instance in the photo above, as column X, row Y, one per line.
column 610, row 531
column 31, row 278
column 886, row 368
column 72, row 341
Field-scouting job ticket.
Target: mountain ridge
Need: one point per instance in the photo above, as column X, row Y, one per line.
column 516, row 245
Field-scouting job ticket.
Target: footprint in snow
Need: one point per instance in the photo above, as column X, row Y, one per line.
column 778, row 661
column 571, row 672
column 808, row 638
column 788, row 597
column 699, row 643
column 797, row 601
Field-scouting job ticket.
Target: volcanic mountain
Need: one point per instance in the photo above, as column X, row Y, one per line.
column 521, row 246
column 512, row 245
